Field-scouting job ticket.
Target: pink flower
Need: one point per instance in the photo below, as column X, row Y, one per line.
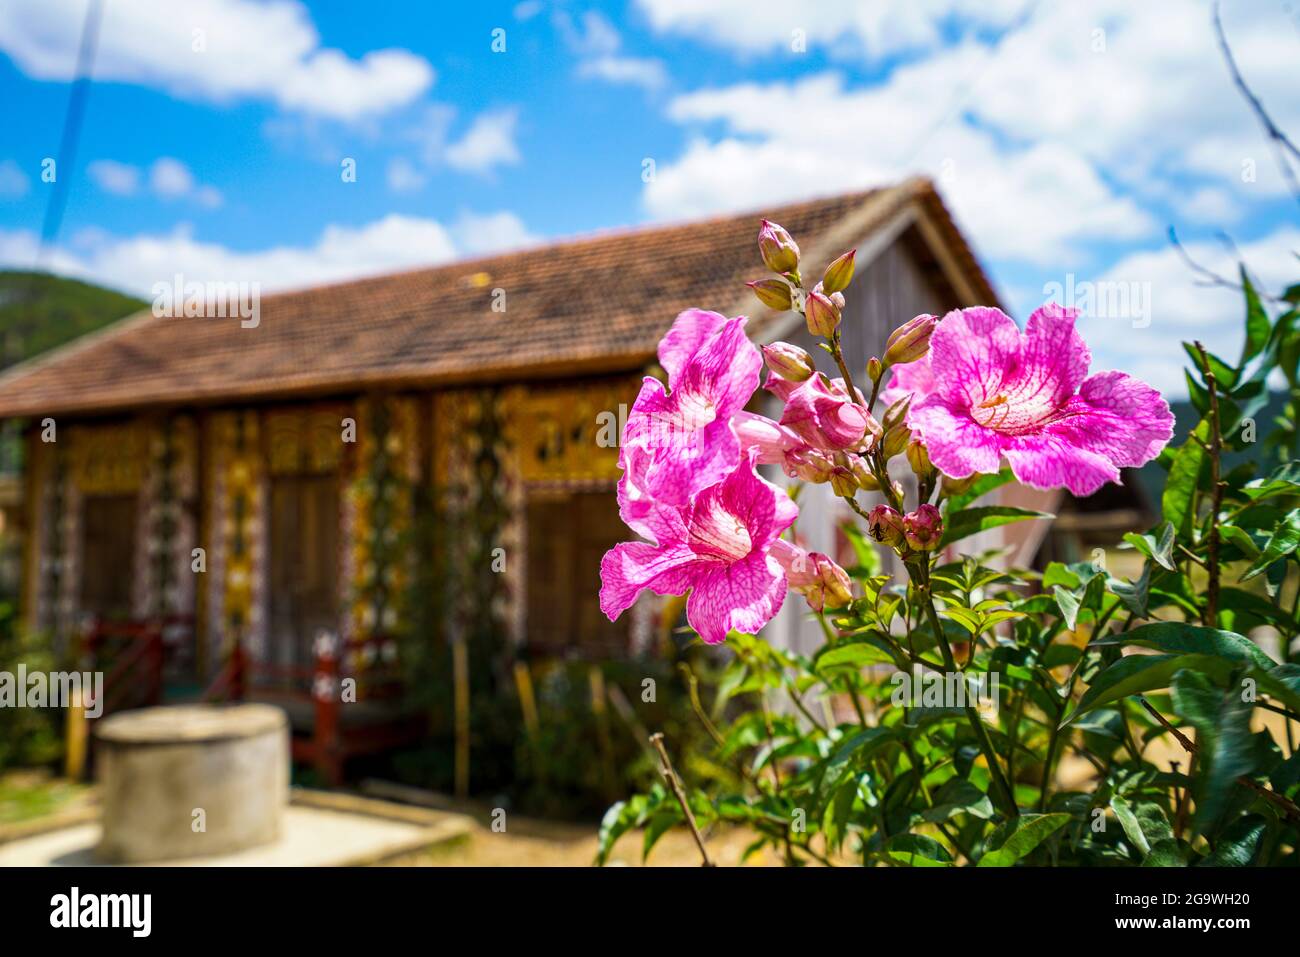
column 912, row 378
column 1027, row 397
column 719, row 546
column 821, row 413
column 822, row 582
column 686, row 431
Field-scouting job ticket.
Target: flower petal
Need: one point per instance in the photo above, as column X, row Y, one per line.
column 654, row 520
column 683, row 457
column 1054, row 361
column 971, row 352
column 689, row 332
column 958, row 445
column 723, row 372
column 1048, row 461
column 631, row 567
column 1119, row 417
column 765, row 510
column 743, row 596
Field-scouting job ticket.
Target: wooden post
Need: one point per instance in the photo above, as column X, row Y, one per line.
column 460, row 671
column 325, row 692
column 74, row 755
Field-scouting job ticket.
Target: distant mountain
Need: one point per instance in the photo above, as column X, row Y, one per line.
column 39, row 311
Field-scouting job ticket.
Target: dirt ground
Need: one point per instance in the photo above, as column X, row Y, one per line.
column 533, row 843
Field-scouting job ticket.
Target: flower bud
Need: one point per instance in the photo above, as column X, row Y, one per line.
column 885, row 525
column 837, row 298
column 773, row 293
column 923, row 528
column 861, row 471
column 897, row 412
column 843, row 482
column 919, row 458
column 788, row 361
column 874, row 434
column 839, row 274
column 910, row 341
column 823, row 315
column 875, row 369
column 833, row 588
column 896, row 440
column 810, row 465
column 779, row 251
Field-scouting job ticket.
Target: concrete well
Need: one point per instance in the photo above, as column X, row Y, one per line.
column 191, row 781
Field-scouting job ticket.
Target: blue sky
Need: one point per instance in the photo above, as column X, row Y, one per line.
column 1067, row 138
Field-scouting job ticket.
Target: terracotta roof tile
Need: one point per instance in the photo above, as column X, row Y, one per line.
column 599, row 303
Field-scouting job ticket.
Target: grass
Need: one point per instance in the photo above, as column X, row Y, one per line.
column 25, row 795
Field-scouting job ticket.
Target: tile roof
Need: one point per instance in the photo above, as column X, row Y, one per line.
column 594, row 304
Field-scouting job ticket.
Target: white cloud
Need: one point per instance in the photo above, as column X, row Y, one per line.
column 168, row 179
column 219, row 50
column 1073, row 129
column 1035, row 204
column 403, row 177
column 13, row 181
column 120, row 179
column 644, row 72
column 597, row 44
column 395, row 242
column 489, row 142
column 758, row 26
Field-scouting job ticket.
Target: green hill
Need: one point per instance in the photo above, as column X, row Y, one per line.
column 39, row 311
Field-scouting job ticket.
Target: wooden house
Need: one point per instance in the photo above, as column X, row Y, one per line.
column 227, row 501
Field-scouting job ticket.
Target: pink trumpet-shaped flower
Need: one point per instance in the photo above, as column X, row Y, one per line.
column 822, row 582
column 821, row 413
column 686, row 431
column 1027, row 397
column 719, row 547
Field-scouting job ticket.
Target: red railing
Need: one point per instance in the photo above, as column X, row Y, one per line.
column 132, row 655
column 371, row 662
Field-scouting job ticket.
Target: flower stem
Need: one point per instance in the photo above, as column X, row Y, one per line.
column 1003, row 795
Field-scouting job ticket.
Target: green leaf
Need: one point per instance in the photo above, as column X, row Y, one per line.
column 1283, row 541
column 1165, row 854
column 1159, row 546
column 853, row 655
column 1177, row 637
column 1285, row 480
column 1068, row 602
column 1184, row 474
column 1241, row 538
column 1144, row 825
column 1136, row 596
column 969, row 521
column 959, row 796
column 1238, row 845
column 981, row 486
column 1028, row 831
column 917, row 850
column 1225, row 751
column 1136, row 674
column 1258, row 326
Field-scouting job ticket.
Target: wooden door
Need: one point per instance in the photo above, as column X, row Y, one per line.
column 108, row 555
column 304, row 544
column 567, row 536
